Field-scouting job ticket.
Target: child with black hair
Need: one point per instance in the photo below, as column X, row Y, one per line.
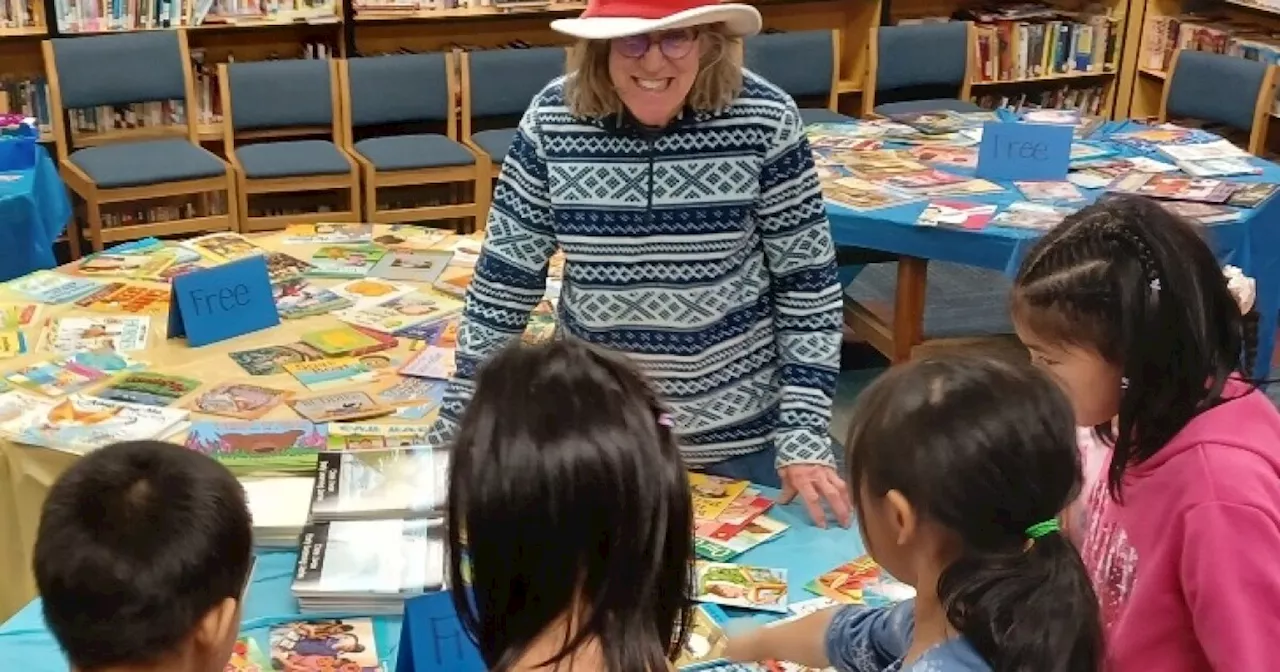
column 141, row 558
column 1127, row 307
column 958, row 468
column 569, row 499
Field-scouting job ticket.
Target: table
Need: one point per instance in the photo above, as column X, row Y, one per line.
column 805, row 551
column 1252, row 243
column 34, row 211
column 27, row 472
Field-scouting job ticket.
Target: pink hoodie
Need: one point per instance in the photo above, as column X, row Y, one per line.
column 1187, row 569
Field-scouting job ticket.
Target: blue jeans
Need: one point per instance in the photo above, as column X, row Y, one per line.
column 758, row 467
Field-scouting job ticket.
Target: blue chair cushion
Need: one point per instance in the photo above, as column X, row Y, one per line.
column 292, row 158
column 960, row 301
column 495, row 143
column 407, row 152
column 137, row 164
column 821, row 115
column 930, row 105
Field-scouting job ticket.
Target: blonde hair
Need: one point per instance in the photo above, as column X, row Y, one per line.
column 590, row 93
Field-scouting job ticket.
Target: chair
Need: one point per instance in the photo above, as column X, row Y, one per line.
column 913, row 63
column 1220, row 89
column 267, row 100
column 403, row 90
column 805, row 64
column 500, row 83
column 130, row 166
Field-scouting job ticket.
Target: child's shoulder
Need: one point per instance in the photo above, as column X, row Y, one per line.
column 953, row 655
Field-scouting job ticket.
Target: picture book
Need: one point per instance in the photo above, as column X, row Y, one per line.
column 339, row 406
column 270, row 360
column 411, row 266
column 324, row 374
column 425, row 332
column 747, row 505
column 1203, row 151
column 960, row 157
column 878, row 164
column 712, row 494
column 454, row 281
column 759, row 530
column 345, row 261
column 281, row 267
column 1199, row 189
column 325, row 646
column 341, row 340
column 106, row 361
column 706, row 640
column 409, row 236
column 1098, row 174
column 860, row 581
column 53, row 288
column 861, row 195
column 1049, row 192
column 821, row 141
column 12, row 343
column 939, row 122
column 55, row 378
column 741, row 586
column 288, row 446
column 1026, row 215
column 1087, row 151
column 149, row 388
column 19, row 315
column 109, row 265
column 974, row 187
column 925, row 179
column 1202, row 213
column 828, row 170
column 371, row 291
column 408, row 390
column 368, row 436
column 244, row 401
column 118, row 297
column 327, row 234
column 78, row 424
column 962, row 214
column 1251, row 194
column 402, row 312
column 1151, row 138
column 431, row 362
column 224, row 247
column 122, row 333
column 1226, row 167
column 246, row 656
column 298, row 298
column 378, row 483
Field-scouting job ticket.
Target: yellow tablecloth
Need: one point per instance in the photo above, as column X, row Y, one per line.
column 26, row 472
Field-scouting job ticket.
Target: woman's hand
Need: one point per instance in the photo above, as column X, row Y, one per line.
column 816, row 483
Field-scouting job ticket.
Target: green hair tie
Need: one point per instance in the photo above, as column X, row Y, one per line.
column 1041, row 529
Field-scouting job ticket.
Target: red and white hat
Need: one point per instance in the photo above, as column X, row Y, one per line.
column 609, row 19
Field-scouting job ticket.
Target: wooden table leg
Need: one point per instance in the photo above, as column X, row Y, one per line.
column 908, row 307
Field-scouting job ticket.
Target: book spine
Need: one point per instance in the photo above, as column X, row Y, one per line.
column 325, row 493
column 311, row 555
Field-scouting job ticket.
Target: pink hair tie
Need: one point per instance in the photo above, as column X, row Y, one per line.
column 665, row 420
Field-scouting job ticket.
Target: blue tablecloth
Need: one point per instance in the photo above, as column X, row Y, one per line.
column 1252, row 243
column 34, row 211
column 805, row 551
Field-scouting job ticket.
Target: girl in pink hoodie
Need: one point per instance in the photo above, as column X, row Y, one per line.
column 1126, row 306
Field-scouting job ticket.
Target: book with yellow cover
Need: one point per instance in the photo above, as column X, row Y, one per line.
column 713, row 494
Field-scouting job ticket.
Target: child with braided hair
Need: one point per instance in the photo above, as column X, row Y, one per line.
column 1126, row 306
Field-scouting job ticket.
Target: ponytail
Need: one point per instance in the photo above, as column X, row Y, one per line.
column 1029, row 610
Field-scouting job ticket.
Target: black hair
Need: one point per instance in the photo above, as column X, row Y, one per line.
column 1137, row 284
column 568, row 495
column 137, row 542
column 986, row 449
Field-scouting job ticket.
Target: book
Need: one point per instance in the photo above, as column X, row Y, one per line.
column 120, row 297
column 281, row 267
column 297, row 298
column 712, row 494
column 345, row 261
column 706, row 642
column 423, row 267
column 1202, row 213
column 431, row 362
column 246, row 656
column 385, row 483
column 327, row 234
column 1251, row 194
column 244, row 401
column 939, row 122
column 1202, row 151
column 925, row 179
column 401, row 312
column 860, row 581
column 1049, row 192
column 368, row 566
column 367, row 436
column 324, row 374
column 341, row 340
column 224, row 247
column 280, row 507
column 12, row 343
column 149, row 388
column 411, row 391
column 960, row 157
column 409, row 236
column 962, row 214
column 371, row 291
column 741, row 586
column 52, row 288
column 346, row 645
column 339, row 406
column 1199, row 189
column 283, row 446
column 79, row 424
column 1025, row 215
column 269, row 360
column 19, row 315
column 55, row 377
column 973, row 187
column 861, row 195
column 122, row 333
column 759, row 530
column 1224, row 167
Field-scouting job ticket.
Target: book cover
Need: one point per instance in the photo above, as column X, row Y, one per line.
column 423, row 267
column 244, row 401
column 1202, row 190
column 401, row 313
column 224, row 247
column 256, row 441
column 1225, row 167
column 345, row 261
column 732, row 541
column 741, row 586
column 376, row 483
column 371, row 291
column 270, row 360
column 78, row 424
column 346, row 645
column 1025, row 215
column 342, row 340
column 118, row 297
column 409, row 236
column 339, row 406
column 19, row 315
column 368, row 436
column 246, row 656
column 327, row 234
column 410, row 391
column 431, row 362
column 376, row 558
column 122, row 333
column 298, row 298
column 149, row 388
column 281, row 267
column 326, row 373
column 12, row 343
column 1203, row 213
column 962, row 214
column 52, row 288
column 713, row 494
column 1251, row 194
column 55, row 378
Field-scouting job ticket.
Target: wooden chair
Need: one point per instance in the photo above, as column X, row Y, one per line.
column 805, row 64
column 267, row 100
column 405, row 90
column 912, row 63
column 500, row 84
column 131, row 166
column 1220, row 89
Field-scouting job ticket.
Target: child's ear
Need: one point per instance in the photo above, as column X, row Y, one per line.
column 903, row 516
column 219, row 626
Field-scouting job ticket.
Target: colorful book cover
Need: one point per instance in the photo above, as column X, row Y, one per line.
column 149, row 388
column 1251, row 194
column 431, row 362
column 339, row 406
column 79, row 424
column 706, row 642
column 12, row 343
column 341, row 340
column 19, row 315
column 119, row 297
column 741, row 586
column 345, row 261
column 270, row 360
column 281, row 267
column 1049, row 192
column 409, row 236
column 1026, row 215
column 122, row 333
column 326, row 373
column 249, row 442
column 239, row 400
column 246, row 656
column 298, row 298
column 224, row 247
column 1177, row 188
column 860, row 581
column 371, row 291
column 961, row 214
column 422, row 267
column 401, row 313
column 52, row 288
column 325, row 646
column 368, row 436
column 55, row 378
column 725, row 546
column 327, row 234
column 713, row 494
column 413, row 391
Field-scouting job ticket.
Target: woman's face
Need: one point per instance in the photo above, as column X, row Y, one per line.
column 654, row 73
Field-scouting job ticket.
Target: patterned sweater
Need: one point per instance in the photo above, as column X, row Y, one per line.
column 702, row 251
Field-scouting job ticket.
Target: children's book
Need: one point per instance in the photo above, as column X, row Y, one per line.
column 431, row 362
column 1151, row 138
column 325, row 646
column 425, row 333
column 960, row 157
column 122, row 333
column 78, row 424
column 860, row 581
column 402, row 312
column 861, row 195
column 281, row 267
column 713, row 494
column 706, row 643
column 53, row 288
column 1203, row 213
column 298, row 298
column 343, row 340
column 345, row 261
column 1025, row 215
column 410, row 391
column 109, row 265
column 974, row 187
column 55, row 378
column 327, row 234
column 454, row 281
column 1251, row 194
column 1204, row 151
column 1226, row 167
column 324, row 374
column 1049, row 192
column 379, row 483
column 756, row 532
column 939, row 122
column 118, row 297
column 925, row 179
column 270, row 360
column 466, row 250
column 409, row 236
column 740, row 586
column 288, row 446
column 879, row 164
column 369, row 436
column 12, row 343
column 1087, row 151
column 244, row 401
column 1198, row 189
column 19, row 315
column 339, row 406
column 372, row 291
column 962, row 214
column 423, row 267
column 368, row 566
column 224, row 247
column 149, row 388
column 246, row 656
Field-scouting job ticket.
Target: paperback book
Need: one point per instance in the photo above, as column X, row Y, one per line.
column 270, row 360
column 741, row 586
column 224, row 247
column 379, row 483
column 345, row 261
column 287, row 446
column 149, row 388
column 1026, row 215
column 79, row 424
column 118, row 297
column 1198, row 189
column 122, row 333
column 422, row 267
column 401, row 312
column 346, row 645
column 298, row 298
column 368, row 436
column 368, row 566
column 53, row 288
column 327, row 234
column 244, row 401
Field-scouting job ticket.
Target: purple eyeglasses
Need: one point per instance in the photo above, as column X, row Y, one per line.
column 672, row 43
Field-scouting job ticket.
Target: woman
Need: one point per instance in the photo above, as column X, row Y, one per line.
column 683, row 193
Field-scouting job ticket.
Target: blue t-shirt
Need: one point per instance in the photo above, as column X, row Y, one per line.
column 860, row 639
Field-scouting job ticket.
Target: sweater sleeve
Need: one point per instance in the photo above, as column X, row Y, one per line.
column 511, row 274
column 1228, row 571
column 806, row 294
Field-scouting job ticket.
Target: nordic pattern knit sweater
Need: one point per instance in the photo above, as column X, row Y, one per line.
column 702, row 251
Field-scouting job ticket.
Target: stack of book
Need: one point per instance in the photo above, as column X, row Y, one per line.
column 376, row 533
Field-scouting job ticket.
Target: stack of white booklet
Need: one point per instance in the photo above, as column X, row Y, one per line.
column 390, row 483
column 368, row 566
column 279, row 507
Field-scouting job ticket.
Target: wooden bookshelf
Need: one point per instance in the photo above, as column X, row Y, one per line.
column 21, row 65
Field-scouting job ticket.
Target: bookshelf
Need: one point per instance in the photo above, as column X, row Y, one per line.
column 22, row 87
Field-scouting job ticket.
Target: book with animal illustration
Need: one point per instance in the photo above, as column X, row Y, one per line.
column 423, row 267
column 289, row 445
column 239, row 400
column 224, row 247
column 386, row 483
column 122, row 333
column 298, row 298
column 149, row 388
column 269, row 360
column 741, row 586
column 79, row 424
column 326, row 373
column 339, row 406
column 119, row 297
column 713, row 494
column 346, row 645
column 281, row 267
column 345, row 261
column 401, row 312
column 368, row 436
column 327, row 234
column 53, row 288
column 409, row 236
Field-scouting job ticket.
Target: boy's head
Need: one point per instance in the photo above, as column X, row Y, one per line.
column 142, row 554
